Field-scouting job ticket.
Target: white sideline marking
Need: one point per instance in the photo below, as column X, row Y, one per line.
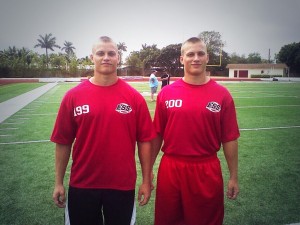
column 24, row 142
column 265, row 106
column 268, row 128
column 9, row 128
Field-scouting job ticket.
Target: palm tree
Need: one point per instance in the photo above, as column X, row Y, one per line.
column 24, row 56
column 47, row 42
column 68, row 48
column 121, row 48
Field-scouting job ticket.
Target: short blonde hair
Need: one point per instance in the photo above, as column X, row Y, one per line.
column 104, row 39
column 191, row 40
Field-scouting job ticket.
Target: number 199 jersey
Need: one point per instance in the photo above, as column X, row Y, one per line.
column 104, row 123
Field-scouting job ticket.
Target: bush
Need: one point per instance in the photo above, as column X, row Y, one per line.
column 264, row 76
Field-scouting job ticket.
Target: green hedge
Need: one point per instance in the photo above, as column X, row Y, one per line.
column 264, row 76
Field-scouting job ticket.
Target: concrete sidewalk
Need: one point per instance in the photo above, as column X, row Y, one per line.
column 11, row 106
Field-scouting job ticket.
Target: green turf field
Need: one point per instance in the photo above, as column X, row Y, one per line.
column 269, row 158
column 12, row 90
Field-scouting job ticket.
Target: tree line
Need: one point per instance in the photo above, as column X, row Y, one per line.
column 23, row 62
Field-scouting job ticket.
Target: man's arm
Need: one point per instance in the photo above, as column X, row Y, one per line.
column 231, row 154
column 62, row 156
column 144, row 152
column 156, row 145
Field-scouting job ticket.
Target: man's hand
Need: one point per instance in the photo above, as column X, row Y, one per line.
column 59, row 196
column 144, row 194
column 232, row 189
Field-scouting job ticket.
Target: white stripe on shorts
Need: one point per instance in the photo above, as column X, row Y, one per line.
column 133, row 215
column 67, row 218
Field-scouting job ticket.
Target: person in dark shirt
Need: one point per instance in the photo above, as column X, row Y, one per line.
column 165, row 79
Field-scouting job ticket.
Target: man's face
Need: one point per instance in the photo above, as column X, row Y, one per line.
column 194, row 58
column 105, row 57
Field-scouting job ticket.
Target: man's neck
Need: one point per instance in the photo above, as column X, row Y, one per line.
column 104, row 80
column 196, row 80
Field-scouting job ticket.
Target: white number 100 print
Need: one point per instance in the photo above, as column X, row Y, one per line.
column 174, row 103
column 79, row 110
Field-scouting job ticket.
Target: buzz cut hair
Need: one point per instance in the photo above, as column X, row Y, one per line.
column 104, row 39
column 192, row 40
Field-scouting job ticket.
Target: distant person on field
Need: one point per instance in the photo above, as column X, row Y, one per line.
column 153, row 84
column 103, row 118
column 165, row 79
column 194, row 116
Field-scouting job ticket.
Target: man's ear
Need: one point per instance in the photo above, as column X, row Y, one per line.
column 181, row 60
column 91, row 57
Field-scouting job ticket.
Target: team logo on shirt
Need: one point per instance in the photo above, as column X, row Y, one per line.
column 213, row 107
column 123, row 108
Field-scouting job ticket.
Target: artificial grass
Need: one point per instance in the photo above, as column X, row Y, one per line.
column 268, row 159
column 9, row 91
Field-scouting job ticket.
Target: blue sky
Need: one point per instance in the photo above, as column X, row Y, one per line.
column 245, row 26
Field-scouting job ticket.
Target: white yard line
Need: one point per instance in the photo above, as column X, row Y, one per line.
column 242, row 129
column 13, row 123
column 9, row 128
column 265, row 106
column 268, row 128
column 279, row 96
column 39, row 114
column 23, row 142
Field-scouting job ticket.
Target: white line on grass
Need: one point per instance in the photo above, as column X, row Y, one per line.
column 13, row 123
column 23, row 142
column 268, row 128
column 47, row 102
column 39, row 114
column 9, row 128
column 267, row 97
column 243, row 129
column 27, row 109
column 265, row 106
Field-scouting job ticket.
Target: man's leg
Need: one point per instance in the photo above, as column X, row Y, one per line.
column 84, row 207
column 118, row 206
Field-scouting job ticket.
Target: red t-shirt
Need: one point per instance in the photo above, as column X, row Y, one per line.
column 106, row 123
column 195, row 119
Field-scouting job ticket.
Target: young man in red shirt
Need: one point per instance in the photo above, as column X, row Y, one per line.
column 103, row 118
column 194, row 116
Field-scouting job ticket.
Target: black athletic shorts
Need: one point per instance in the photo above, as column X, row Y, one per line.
column 99, row 207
